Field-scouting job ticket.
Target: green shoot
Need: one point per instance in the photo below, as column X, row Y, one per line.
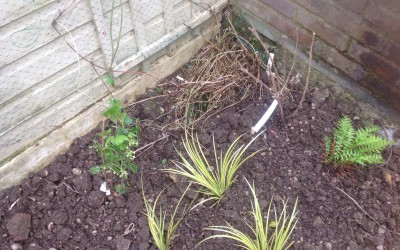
column 120, row 188
column 162, row 235
column 349, row 146
column 109, row 80
column 268, row 235
column 159, row 90
column 116, row 143
column 197, row 169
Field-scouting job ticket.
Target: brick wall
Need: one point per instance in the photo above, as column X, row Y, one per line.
column 360, row 38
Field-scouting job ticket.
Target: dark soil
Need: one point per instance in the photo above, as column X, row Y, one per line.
column 67, row 210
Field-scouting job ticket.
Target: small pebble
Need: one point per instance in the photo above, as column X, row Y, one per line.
column 16, row 246
column 310, row 199
column 328, row 246
column 76, row 171
column 307, row 152
column 50, row 226
column 313, row 105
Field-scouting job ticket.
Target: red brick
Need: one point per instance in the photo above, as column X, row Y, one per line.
column 339, row 60
column 343, row 19
column 387, row 93
column 282, row 6
column 370, row 37
column 356, row 6
column 289, row 28
column 392, row 52
column 386, row 20
column 281, row 23
column 316, row 6
column 256, row 8
column 322, row 29
column 246, row 4
column 374, row 63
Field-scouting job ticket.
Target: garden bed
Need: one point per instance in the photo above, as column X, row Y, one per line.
column 67, row 210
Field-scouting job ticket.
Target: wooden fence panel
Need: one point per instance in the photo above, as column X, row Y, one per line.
column 54, row 56
column 46, row 61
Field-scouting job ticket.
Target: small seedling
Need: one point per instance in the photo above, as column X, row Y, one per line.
column 164, row 162
column 109, row 80
column 159, row 90
column 116, row 143
column 120, row 188
column 349, row 146
column 268, row 235
column 212, row 183
column 162, row 234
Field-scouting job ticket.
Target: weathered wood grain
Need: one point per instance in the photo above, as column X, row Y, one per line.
column 12, row 10
column 49, row 119
column 46, row 61
column 35, row 30
column 49, row 92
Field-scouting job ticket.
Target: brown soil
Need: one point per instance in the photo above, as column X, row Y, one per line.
column 69, row 212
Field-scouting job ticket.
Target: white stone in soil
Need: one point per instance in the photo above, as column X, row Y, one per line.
column 105, row 189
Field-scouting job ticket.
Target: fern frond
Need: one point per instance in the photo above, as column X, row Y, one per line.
column 350, row 146
column 370, row 143
column 344, row 134
column 365, row 132
column 371, row 159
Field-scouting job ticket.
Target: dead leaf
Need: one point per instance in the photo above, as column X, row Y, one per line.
column 388, row 178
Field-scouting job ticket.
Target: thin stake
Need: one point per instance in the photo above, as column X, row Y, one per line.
column 307, row 79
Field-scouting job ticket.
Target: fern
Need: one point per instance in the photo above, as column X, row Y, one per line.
column 349, row 146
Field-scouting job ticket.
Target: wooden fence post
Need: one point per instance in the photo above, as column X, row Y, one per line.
column 140, row 35
column 169, row 22
column 103, row 27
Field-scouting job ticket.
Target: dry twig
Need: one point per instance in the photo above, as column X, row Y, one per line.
column 222, row 73
column 365, row 212
column 307, row 78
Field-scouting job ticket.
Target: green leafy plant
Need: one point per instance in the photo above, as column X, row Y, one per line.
column 349, row 146
column 117, row 143
column 120, row 188
column 198, row 170
column 268, row 235
column 159, row 90
column 108, row 79
column 161, row 234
